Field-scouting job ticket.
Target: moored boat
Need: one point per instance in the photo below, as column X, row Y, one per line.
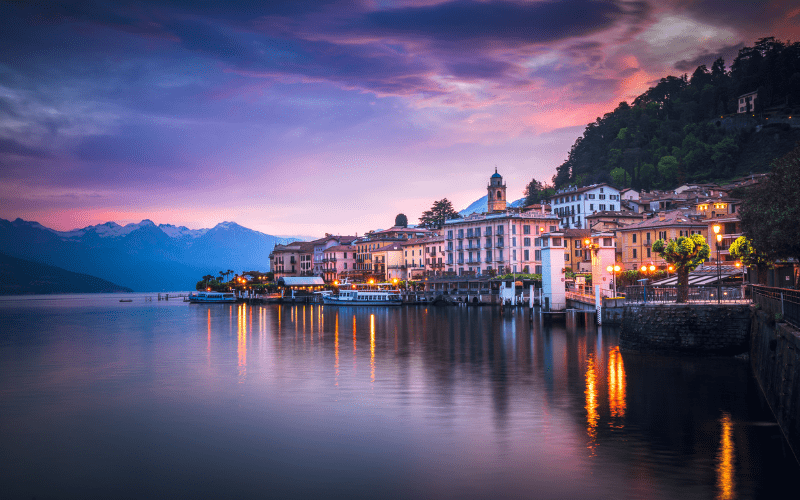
column 212, row 298
column 364, row 295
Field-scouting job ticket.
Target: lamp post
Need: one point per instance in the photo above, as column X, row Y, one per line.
column 719, row 273
column 613, row 270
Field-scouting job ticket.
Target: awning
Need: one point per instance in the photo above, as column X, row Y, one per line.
column 699, row 278
column 301, row 281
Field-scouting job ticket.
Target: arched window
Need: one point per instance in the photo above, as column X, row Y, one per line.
column 499, row 195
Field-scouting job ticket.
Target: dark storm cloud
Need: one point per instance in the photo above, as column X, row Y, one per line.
column 728, row 53
column 510, row 23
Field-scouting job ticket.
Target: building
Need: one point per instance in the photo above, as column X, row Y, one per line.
column 375, row 240
column 576, row 255
column 610, row 221
column 496, row 194
column 572, row 205
column 635, row 241
column 496, row 242
column 747, row 102
column 387, row 262
column 285, row 259
column 338, row 262
column 321, row 245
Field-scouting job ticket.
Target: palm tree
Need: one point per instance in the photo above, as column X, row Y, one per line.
column 207, row 277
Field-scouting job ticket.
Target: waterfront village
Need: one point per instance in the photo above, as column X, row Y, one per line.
column 506, row 240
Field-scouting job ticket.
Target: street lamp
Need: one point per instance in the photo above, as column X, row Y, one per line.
column 614, row 270
column 719, row 273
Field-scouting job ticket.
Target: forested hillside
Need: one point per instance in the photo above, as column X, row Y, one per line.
column 687, row 129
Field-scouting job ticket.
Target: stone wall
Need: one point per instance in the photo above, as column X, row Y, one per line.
column 698, row 329
column 775, row 358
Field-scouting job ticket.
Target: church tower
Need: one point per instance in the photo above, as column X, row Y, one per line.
column 497, row 193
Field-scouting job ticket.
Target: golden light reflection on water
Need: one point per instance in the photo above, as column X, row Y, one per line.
column 336, row 349
column 372, row 347
column 726, row 457
column 242, row 341
column 208, row 345
column 590, row 393
column 616, row 383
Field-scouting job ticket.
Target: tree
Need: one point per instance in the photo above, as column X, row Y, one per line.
column 685, row 253
column 537, row 191
column 771, row 210
column 668, row 169
column 621, row 178
column 441, row 211
column 742, row 248
column 401, row 220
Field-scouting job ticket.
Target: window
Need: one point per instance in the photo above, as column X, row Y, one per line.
column 513, row 255
column 662, row 235
column 566, row 257
column 477, row 232
column 526, row 255
column 526, row 242
column 601, row 197
column 611, row 207
column 647, row 236
column 450, row 234
column 578, row 253
column 537, row 269
column 514, row 241
column 591, row 196
column 345, row 265
column 648, row 252
column 488, row 255
column 553, row 229
column 488, row 230
column 469, row 233
column 460, row 233
column 526, row 229
column 602, row 207
column 591, row 206
column 606, row 242
column 579, row 209
column 514, row 229
column 633, row 238
column 537, row 255
column 601, row 190
column 499, row 230
column 634, row 253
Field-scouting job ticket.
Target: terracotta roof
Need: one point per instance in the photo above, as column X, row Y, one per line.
column 390, row 246
column 675, row 218
column 581, row 190
column 341, row 248
column 616, row 213
column 578, row 233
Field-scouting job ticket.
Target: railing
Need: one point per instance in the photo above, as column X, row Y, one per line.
column 783, row 301
column 667, row 294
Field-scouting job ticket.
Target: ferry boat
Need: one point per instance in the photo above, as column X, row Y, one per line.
column 212, row 298
column 379, row 294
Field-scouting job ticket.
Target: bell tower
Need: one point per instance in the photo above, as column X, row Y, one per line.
column 497, row 193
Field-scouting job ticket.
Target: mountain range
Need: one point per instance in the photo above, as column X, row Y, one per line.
column 144, row 256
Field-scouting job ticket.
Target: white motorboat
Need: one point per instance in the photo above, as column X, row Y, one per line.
column 379, row 294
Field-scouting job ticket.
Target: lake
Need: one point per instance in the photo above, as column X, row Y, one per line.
column 149, row 399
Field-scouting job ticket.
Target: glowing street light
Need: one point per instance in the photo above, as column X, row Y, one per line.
column 614, row 270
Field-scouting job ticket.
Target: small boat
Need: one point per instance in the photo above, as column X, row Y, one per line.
column 126, row 300
column 379, row 294
column 212, row 298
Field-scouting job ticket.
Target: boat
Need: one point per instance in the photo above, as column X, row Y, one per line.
column 126, row 300
column 363, row 294
column 212, row 298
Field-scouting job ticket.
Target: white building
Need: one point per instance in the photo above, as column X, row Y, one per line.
column 572, row 205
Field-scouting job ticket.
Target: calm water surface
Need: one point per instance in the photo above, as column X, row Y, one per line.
column 102, row 399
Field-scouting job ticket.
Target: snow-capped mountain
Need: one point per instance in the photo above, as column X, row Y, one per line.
column 142, row 256
column 481, row 205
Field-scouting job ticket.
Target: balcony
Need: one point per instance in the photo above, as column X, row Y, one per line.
column 647, row 243
column 499, row 244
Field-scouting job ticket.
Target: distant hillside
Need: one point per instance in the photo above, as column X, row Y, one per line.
column 22, row 277
column 688, row 128
column 143, row 256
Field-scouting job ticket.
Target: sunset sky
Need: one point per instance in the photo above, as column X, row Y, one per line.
column 305, row 117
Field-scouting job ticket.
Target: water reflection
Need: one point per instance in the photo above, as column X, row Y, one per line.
column 469, row 403
column 616, row 384
column 725, row 460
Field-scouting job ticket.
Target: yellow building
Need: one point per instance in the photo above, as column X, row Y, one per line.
column 635, row 241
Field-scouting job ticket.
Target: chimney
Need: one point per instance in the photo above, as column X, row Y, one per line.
column 661, row 216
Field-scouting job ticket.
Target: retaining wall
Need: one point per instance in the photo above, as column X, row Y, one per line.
column 695, row 329
column 775, row 358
